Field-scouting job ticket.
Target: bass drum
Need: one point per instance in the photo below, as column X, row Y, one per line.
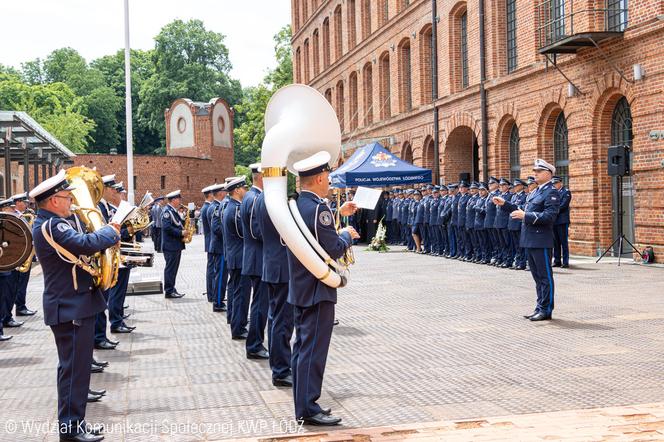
column 15, row 242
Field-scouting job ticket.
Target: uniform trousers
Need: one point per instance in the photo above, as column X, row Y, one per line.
column 461, row 240
column 451, row 240
column 74, row 344
column 539, row 261
column 10, row 283
column 6, row 287
column 116, row 298
column 280, row 326
column 171, row 271
column 561, row 244
column 313, row 327
column 519, row 252
column 239, row 291
column 100, row 322
column 210, row 275
column 258, row 315
column 22, row 280
column 156, row 238
column 482, row 243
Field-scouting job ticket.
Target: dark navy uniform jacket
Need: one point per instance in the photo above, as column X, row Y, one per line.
column 62, row 302
column 454, row 209
column 420, row 212
column 502, row 215
column 470, row 211
column 461, row 209
column 171, row 230
column 233, row 235
column 404, row 211
column 426, row 203
column 434, row 219
column 252, row 255
column 216, row 228
column 106, row 210
column 480, row 213
column 304, row 288
column 565, row 199
column 444, row 212
column 519, row 200
column 389, row 207
column 275, row 257
column 206, row 224
column 541, row 211
column 491, row 208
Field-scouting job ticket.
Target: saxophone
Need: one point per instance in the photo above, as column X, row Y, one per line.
column 29, row 217
column 189, row 228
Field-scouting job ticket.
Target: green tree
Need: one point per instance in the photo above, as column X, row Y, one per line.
column 103, row 106
column 8, row 71
column 189, row 61
column 33, row 71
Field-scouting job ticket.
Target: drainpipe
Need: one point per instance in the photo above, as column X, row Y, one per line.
column 483, row 100
column 434, row 90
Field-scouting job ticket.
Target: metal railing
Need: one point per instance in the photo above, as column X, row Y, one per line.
column 559, row 19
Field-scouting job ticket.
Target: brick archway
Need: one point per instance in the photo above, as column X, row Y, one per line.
column 460, row 155
column 407, row 152
column 502, row 143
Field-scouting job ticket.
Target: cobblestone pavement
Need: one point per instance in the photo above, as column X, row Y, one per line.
column 421, row 339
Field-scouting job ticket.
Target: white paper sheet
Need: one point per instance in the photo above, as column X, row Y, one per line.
column 124, row 210
column 367, row 198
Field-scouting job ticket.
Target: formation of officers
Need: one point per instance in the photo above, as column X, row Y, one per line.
column 461, row 221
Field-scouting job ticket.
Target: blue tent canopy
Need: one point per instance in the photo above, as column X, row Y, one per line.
column 374, row 166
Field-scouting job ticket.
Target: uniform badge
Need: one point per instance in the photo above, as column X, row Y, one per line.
column 325, row 218
column 167, row 215
column 63, row 227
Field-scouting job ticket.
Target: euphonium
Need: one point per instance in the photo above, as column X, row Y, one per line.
column 299, row 122
column 87, row 192
column 29, row 216
column 140, row 218
column 189, row 228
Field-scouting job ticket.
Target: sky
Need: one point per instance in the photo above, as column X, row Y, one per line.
column 34, row 28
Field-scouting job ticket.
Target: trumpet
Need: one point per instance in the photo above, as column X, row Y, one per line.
column 189, row 228
column 29, row 217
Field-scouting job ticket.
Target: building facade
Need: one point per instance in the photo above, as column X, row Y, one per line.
column 199, row 152
column 563, row 80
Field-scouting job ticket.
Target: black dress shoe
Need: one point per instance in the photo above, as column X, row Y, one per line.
column 530, row 315
column 93, row 397
column 101, row 392
column 125, row 306
column 5, row 338
column 13, row 323
column 260, row 354
column 335, row 322
column 100, row 363
column 283, row 382
column 82, row 437
column 173, row 296
column 96, row 369
column 221, row 308
column 540, row 317
column 241, row 336
column 95, row 429
column 126, row 316
column 130, row 327
column 25, row 312
column 565, row 266
column 322, row 420
column 326, row 411
column 121, row 329
column 104, row 345
column 556, row 264
column 112, row 342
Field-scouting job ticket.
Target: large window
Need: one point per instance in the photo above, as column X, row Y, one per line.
column 621, row 124
column 463, row 49
column 298, row 65
column 365, row 16
column 352, row 91
column 511, row 35
column 616, row 15
column 561, row 148
column 405, row 94
column 326, row 43
column 384, row 12
column 316, row 53
column 556, row 27
column 351, row 25
column 338, row 43
column 307, row 76
column 367, row 89
column 385, row 92
column 426, row 71
column 515, row 155
column 340, row 104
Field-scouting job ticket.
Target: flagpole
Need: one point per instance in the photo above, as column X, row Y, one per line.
column 128, row 109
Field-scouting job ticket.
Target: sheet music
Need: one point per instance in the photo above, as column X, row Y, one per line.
column 367, row 198
column 123, row 212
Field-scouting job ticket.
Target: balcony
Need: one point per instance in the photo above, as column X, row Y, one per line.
column 565, row 26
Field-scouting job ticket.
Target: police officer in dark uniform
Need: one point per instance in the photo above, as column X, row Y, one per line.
column 470, row 223
column 434, row 221
column 538, row 217
column 483, row 255
column 171, row 243
column 7, row 289
column 155, row 213
column 313, row 300
column 500, row 224
column 442, row 222
column 238, row 286
column 514, row 225
column 561, row 226
column 489, row 221
column 463, row 240
column 22, row 278
column 252, row 267
column 216, row 253
column 275, row 278
column 71, row 300
column 417, row 209
column 450, row 216
column 210, row 268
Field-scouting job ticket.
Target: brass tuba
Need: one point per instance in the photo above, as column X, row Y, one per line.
column 299, row 122
column 189, row 228
column 140, row 218
column 88, row 191
column 29, row 217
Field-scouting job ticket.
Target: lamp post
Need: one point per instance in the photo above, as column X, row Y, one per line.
column 128, row 109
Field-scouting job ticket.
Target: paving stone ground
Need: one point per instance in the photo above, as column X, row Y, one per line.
column 422, row 340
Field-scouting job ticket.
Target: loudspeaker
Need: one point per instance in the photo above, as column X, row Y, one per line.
column 618, row 164
column 465, row 176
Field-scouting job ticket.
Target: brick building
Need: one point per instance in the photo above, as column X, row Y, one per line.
column 564, row 80
column 199, row 152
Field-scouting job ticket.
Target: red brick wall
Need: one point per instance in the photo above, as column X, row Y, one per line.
column 530, row 97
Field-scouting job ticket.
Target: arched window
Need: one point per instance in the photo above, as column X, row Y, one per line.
column 316, row 50
column 621, row 124
column 426, row 71
column 384, row 12
column 338, row 33
column 458, row 43
column 307, row 77
column 561, row 148
column 511, row 34
column 515, row 156
column 298, row 65
column 384, row 89
column 340, row 104
column 352, row 91
column 351, row 24
column 328, row 95
column 326, row 43
column 405, row 96
column 463, row 49
column 305, row 10
column 402, row 4
column 296, row 15
column 367, row 87
column 365, row 16
column 407, row 152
